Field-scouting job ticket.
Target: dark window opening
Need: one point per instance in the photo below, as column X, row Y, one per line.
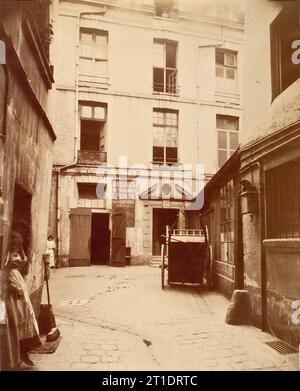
column 22, row 216
column 284, row 30
column 90, row 135
column 158, row 155
column 87, row 191
column 283, row 201
column 93, row 125
column 165, row 8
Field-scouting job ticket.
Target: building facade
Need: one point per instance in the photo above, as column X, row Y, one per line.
column 26, row 144
column 146, row 92
column 263, row 256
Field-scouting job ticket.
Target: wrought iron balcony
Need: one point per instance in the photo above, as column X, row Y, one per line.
column 91, row 157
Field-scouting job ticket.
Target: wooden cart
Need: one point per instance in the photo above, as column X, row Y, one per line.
column 185, row 257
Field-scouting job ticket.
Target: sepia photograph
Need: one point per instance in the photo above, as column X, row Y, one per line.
column 149, row 188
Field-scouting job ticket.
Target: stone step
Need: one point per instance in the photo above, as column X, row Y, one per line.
column 155, row 261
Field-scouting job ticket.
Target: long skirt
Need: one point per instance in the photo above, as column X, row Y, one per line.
column 22, row 327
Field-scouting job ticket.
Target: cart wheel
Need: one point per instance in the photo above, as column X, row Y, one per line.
column 163, row 266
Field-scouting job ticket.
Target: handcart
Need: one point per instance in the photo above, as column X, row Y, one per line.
column 185, row 257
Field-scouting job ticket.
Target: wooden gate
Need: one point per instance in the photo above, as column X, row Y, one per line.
column 80, row 237
column 118, row 240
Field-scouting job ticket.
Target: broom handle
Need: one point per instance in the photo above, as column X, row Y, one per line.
column 47, row 286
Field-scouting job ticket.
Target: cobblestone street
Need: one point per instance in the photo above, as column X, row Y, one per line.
column 120, row 319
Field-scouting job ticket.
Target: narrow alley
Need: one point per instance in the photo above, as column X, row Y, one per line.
column 120, row 319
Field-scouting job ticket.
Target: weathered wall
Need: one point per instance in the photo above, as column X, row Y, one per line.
column 283, row 265
column 28, row 151
column 267, row 124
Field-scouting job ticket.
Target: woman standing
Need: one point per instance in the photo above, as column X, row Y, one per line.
column 51, row 246
column 21, row 318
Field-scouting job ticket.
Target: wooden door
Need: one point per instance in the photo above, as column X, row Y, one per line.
column 80, row 237
column 118, row 239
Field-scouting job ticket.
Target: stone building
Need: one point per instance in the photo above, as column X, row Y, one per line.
column 157, row 82
column 26, row 136
column 262, row 212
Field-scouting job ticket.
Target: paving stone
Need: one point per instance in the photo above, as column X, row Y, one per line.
column 90, row 359
column 185, row 327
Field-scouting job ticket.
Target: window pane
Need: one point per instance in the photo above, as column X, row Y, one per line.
column 222, row 157
column 158, row 136
column 230, row 73
column 222, row 140
column 219, row 71
column 86, row 38
column 171, row 137
column 158, row 54
column 86, row 111
column 101, row 47
column 85, row 66
column 158, row 80
column 234, row 140
column 171, row 155
column 221, row 122
column 158, row 117
column 219, row 57
column 99, row 112
column 100, row 68
column 158, row 154
column 232, row 123
column 229, row 59
column 171, row 50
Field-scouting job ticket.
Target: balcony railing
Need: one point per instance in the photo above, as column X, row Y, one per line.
column 169, row 85
column 91, row 157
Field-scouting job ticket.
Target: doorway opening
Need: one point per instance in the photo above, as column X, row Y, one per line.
column 162, row 218
column 22, row 215
column 100, row 239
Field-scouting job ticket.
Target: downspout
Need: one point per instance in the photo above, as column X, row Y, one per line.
column 220, row 44
column 263, row 265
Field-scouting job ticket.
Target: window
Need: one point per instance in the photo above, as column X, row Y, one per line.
column 93, row 53
column 92, row 127
column 22, row 216
column 165, row 8
column 164, row 69
column 227, row 222
column 87, row 191
column 226, row 64
column 165, row 129
column 283, row 201
column 284, row 30
column 228, row 138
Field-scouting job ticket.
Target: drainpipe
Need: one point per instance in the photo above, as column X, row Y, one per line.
column 219, row 44
column 263, row 265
